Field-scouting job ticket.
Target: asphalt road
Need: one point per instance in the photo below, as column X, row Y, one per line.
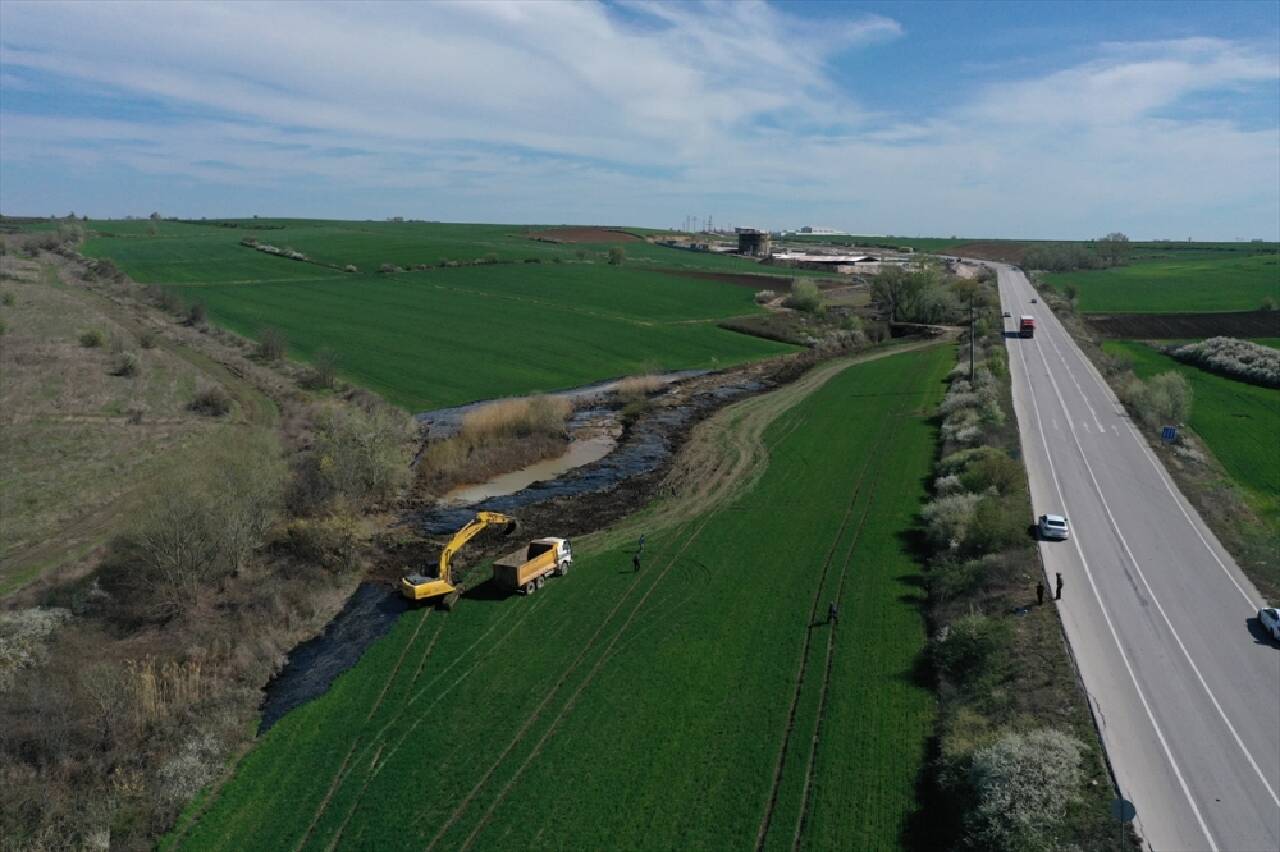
column 1183, row 683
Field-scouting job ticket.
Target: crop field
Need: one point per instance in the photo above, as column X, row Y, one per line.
column 446, row 336
column 1238, row 421
column 428, row 340
column 698, row 703
column 1232, row 283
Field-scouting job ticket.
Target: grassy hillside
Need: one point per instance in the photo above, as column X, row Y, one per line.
column 1218, row 282
column 692, row 705
column 1238, row 421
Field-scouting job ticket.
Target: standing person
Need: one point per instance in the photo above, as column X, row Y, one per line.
column 641, row 548
column 635, row 562
column 1057, row 592
column 833, row 613
column 1040, row 593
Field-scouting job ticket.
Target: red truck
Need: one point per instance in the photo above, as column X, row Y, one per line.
column 1026, row 326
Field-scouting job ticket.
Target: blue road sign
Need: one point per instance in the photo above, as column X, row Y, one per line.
column 1168, row 434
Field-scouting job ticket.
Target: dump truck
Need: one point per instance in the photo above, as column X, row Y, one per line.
column 1026, row 326
column 527, row 569
column 421, row 587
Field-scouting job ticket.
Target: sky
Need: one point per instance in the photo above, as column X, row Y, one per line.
column 1021, row 120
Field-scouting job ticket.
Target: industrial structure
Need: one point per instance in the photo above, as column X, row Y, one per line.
column 753, row 242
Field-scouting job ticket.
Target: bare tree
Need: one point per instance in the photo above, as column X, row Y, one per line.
column 1114, row 248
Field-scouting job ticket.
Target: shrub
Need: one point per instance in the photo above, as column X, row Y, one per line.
column 804, row 296
column 92, row 339
column 193, row 768
column 197, row 314
column 356, row 455
column 147, row 339
column 967, row 652
column 617, row 255
column 388, row 268
column 3, row 327
column 637, row 387
column 956, row 401
column 1268, row 304
column 998, row 523
column 213, row 401
column 763, row 296
column 947, row 518
column 518, row 417
column 324, row 370
column 128, row 364
column 330, row 541
column 1237, row 359
column 1170, row 397
column 271, row 344
column 7, row 299
column 164, row 299
column 580, row 254
column 995, row 471
column 1022, row 785
column 350, row 267
column 198, row 526
column 958, row 461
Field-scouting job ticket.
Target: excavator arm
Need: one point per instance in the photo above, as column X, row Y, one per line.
column 417, row 587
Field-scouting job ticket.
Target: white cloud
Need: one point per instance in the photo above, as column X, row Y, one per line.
column 638, row 112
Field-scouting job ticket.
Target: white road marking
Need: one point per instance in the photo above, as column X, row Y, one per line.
column 1124, row 657
column 1137, row 567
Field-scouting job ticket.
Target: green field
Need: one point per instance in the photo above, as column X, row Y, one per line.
column 1238, row 421
column 650, row 710
column 1219, row 282
column 446, row 336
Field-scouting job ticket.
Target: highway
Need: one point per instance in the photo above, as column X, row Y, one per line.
column 1185, row 689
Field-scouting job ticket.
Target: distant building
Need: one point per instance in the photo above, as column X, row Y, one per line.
column 753, row 242
column 826, row 232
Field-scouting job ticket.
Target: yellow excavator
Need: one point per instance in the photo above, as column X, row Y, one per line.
column 419, row 587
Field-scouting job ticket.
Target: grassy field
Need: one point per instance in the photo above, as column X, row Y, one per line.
column 427, row 340
column 450, row 335
column 696, row 704
column 1216, row 282
column 1238, row 421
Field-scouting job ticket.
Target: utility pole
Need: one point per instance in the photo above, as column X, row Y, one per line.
column 971, row 337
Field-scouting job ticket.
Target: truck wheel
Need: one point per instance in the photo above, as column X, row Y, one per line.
column 530, row 588
column 564, row 568
column 541, row 579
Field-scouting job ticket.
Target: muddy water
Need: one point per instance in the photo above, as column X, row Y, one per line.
column 315, row 664
column 582, row 451
column 642, row 450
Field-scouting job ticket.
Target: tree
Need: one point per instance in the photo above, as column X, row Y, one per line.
column 1114, row 248
column 617, row 255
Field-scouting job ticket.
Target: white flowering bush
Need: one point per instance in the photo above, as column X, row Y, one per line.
column 1023, row 784
column 1237, row 359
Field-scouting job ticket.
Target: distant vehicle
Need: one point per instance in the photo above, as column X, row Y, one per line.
column 1034, row 300
column 1007, row 314
column 1270, row 618
column 1026, row 326
column 1053, row 528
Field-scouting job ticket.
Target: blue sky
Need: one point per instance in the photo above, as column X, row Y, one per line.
column 1040, row 119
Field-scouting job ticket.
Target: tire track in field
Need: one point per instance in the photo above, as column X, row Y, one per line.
column 375, row 767
column 604, row 657
column 373, row 761
column 824, row 692
column 766, row 819
column 534, row 717
column 355, row 742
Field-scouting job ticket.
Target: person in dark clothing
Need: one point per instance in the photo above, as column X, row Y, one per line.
column 1040, row 594
column 641, row 548
column 833, row 613
column 635, row 561
column 1057, row 592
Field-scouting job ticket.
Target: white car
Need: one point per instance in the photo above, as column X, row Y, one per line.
column 1053, row 528
column 1270, row 619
